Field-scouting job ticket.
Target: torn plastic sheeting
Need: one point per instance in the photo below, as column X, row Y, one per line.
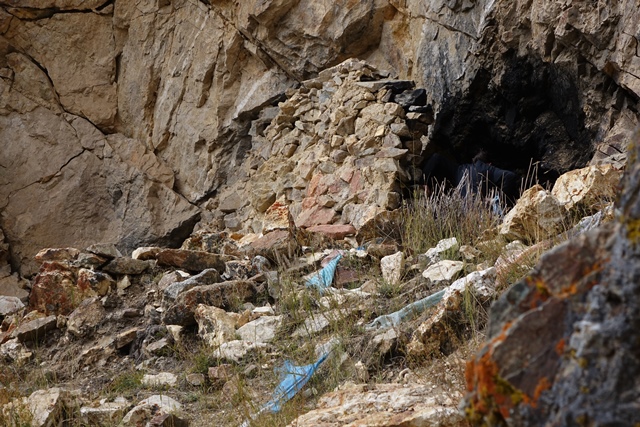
column 293, row 379
column 324, row 278
column 390, row 320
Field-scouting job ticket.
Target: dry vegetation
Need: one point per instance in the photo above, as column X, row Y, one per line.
column 424, row 222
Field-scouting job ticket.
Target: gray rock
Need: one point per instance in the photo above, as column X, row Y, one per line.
column 206, row 277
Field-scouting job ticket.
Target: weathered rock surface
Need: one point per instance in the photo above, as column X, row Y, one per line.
column 383, row 405
column 560, row 344
column 169, row 102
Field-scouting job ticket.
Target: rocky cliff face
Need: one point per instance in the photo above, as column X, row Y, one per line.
column 562, row 345
column 125, row 122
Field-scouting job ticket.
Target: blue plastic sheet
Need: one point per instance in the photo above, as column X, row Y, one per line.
column 292, row 379
column 394, row 319
column 323, row 279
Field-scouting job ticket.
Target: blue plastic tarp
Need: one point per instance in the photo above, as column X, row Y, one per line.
column 292, row 379
column 323, row 279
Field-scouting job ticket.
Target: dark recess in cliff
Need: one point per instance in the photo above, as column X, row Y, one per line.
column 533, row 115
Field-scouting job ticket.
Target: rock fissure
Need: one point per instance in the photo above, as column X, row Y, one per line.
column 44, row 179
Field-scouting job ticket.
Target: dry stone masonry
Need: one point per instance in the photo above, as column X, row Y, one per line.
column 192, row 167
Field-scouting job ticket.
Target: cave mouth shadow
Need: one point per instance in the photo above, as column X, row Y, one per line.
column 530, row 122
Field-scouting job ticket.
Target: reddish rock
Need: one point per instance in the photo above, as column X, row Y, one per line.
column 190, row 260
column 315, row 215
column 275, row 242
column 54, row 290
column 57, row 254
column 221, row 295
column 277, row 217
column 346, row 276
column 334, row 231
column 96, row 281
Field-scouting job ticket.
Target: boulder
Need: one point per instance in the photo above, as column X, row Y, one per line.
column 49, row 406
column 587, row 186
column 263, row 329
column 392, row 268
column 54, row 290
column 190, row 260
column 221, row 295
column 215, row 326
column 536, row 216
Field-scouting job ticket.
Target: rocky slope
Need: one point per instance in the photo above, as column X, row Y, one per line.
column 145, row 109
column 262, row 128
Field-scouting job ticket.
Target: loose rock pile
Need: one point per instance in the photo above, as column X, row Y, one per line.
column 92, row 314
column 340, row 150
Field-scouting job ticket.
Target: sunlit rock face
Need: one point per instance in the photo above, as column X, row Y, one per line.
column 130, row 121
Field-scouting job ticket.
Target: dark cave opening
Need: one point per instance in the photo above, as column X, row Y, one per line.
column 530, row 122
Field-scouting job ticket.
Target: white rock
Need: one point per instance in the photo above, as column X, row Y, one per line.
column 536, row 216
column 152, row 406
column 383, row 405
column 159, row 380
column 481, row 282
column 48, row 406
column 590, row 184
column 215, row 326
column 263, row 329
column 433, row 254
column 443, row 271
column 392, row 267
column 107, row 414
column 236, row 350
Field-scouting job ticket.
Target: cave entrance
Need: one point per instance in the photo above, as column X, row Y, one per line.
column 530, row 122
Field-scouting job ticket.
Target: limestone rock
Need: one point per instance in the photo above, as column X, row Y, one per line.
column 104, row 414
column 215, row 326
column 86, row 317
column 586, row 186
column 49, row 405
column 433, row 254
column 163, row 379
column 333, row 231
column 443, row 271
column 55, row 291
column 155, row 407
column 98, row 282
column 9, row 305
column 125, row 265
column 392, row 268
column 13, row 286
column 57, row 254
column 122, row 205
column 14, row 351
column 206, row 277
column 383, row 405
column 220, row 295
column 263, row 329
column 536, row 216
column 35, row 330
column 106, row 250
column 235, row 351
